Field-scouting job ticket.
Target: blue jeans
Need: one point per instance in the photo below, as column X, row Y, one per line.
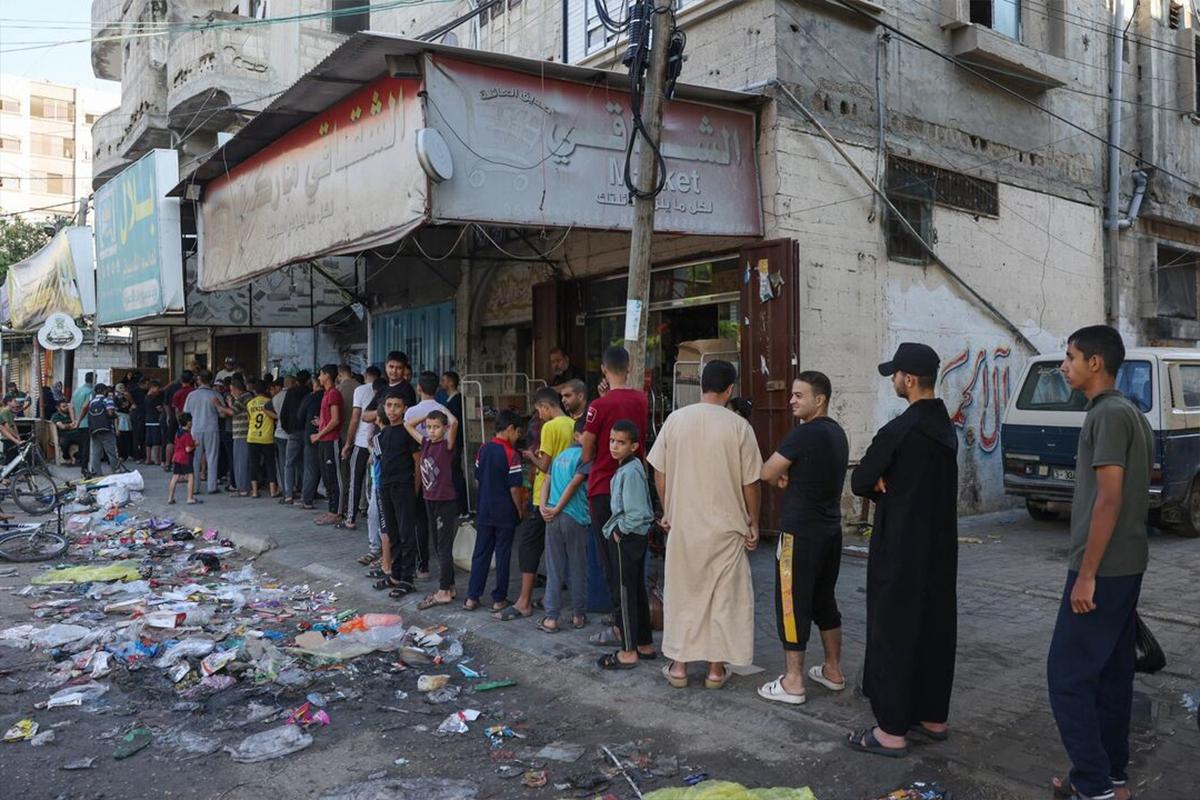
column 489, row 540
column 292, row 479
column 1089, row 671
column 241, row 464
column 312, row 474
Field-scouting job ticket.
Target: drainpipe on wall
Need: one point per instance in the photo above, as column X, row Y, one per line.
column 1112, row 215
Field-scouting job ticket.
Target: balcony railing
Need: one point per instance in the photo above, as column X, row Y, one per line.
column 214, row 73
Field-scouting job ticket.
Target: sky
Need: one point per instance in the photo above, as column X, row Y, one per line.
column 37, row 21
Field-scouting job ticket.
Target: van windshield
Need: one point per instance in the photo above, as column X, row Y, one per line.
column 1046, row 390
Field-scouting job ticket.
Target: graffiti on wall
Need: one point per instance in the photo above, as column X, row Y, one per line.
column 976, row 384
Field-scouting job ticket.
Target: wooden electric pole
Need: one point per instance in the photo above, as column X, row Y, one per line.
column 641, row 236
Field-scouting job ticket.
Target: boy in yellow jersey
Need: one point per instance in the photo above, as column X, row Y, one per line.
column 260, row 438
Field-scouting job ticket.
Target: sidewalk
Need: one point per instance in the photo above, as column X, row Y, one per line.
column 1004, row 745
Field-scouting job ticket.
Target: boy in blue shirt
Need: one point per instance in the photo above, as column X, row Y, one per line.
column 565, row 510
column 498, row 471
column 625, row 536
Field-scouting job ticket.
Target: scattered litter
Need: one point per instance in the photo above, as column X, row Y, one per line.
column 77, row 695
column 1191, row 702
column 42, row 739
column 216, row 661
column 80, row 763
column 401, row 762
column 269, row 744
column 133, row 742
column 446, row 694
column 918, row 790
column 694, row 778
column 534, row 778
column 190, row 742
column 970, row 540
column 490, row 685
column 563, row 752
column 117, row 571
column 431, row 683
column 24, row 729
column 723, row 790
column 306, row 717
column 507, row 771
column 457, row 722
column 468, row 672
column 498, row 733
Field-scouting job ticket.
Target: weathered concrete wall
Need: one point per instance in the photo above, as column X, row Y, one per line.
column 1038, row 262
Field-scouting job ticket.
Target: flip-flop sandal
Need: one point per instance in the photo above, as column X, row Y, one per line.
column 648, row 656
column 170, row 502
column 864, row 741
column 384, row 583
column 431, row 600
column 611, row 662
column 675, row 681
column 377, row 573
column 775, row 692
column 817, row 675
column 401, row 591
column 605, row 638
column 544, row 628
column 929, row 733
column 509, row 613
column 470, row 605
column 366, row 559
column 500, row 606
column 580, row 622
column 195, row 502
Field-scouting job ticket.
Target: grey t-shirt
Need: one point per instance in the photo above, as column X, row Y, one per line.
column 199, row 404
column 1114, row 433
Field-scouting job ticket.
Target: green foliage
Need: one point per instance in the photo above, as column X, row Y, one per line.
column 19, row 240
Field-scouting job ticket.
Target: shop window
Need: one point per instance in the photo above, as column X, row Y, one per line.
column 351, row 16
column 51, row 108
column 1002, row 16
column 1177, row 282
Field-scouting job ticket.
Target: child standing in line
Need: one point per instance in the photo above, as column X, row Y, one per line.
column 185, row 447
column 397, row 498
column 260, row 440
column 625, row 536
column 565, row 510
column 498, row 471
column 441, row 501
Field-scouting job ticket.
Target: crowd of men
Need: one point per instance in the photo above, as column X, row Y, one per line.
column 575, row 491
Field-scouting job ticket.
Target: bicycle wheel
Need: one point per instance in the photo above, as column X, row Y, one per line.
column 34, row 491
column 41, row 545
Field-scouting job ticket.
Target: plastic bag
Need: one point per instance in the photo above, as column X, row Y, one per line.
column 1150, row 655
column 115, row 571
column 112, row 496
column 58, row 634
column 270, row 744
column 77, row 695
column 187, row 648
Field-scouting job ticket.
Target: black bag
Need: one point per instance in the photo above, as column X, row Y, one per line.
column 1150, row 656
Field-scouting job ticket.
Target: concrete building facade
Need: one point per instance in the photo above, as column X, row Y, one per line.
column 46, row 145
column 987, row 125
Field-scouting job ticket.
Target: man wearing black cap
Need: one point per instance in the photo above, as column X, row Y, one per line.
column 910, row 471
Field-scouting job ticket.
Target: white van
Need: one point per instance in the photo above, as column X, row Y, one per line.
column 1040, row 434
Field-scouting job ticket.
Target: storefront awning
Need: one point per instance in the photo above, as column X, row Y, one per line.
column 387, row 134
column 60, row 277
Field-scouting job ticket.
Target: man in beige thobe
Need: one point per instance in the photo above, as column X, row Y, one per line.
column 707, row 464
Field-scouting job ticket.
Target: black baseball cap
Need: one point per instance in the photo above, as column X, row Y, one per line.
column 914, row 358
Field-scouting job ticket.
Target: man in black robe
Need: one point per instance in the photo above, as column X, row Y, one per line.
column 910, row 471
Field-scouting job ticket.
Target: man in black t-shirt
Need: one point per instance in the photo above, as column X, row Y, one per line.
column 810, row 466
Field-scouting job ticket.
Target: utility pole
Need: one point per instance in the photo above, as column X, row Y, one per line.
column 642, row 234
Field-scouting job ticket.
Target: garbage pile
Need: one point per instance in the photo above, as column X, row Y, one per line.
column 175, row 616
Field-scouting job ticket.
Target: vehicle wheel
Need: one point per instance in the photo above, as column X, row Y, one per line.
column 1189, row 522
column 40, row 546
column 34, row 491
column 1039, row 511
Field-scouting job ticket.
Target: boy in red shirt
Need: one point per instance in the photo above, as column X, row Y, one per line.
column 185, row 447
column 326, row 440
column 619, row 402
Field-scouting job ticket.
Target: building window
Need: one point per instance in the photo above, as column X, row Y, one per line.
column 10, row 105
column 944, row 187
column 351, row 16
column 597, row 36
column 10, row 183
column 1174, row 14
column 51, row 108
column 45, row 145
column 10, row 145
column 90, row 119
column 1177, row 281
column 49, row 183
column 1002, row 16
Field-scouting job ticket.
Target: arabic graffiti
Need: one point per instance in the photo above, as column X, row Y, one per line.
column 989, row 374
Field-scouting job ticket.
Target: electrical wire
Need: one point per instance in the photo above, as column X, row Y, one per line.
column 514, row 257
column 905, row 37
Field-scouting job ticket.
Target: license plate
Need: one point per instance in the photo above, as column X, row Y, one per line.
column 1064, row 474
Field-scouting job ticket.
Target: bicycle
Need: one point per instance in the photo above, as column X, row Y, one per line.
column 27, row 479
column 31, row 541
